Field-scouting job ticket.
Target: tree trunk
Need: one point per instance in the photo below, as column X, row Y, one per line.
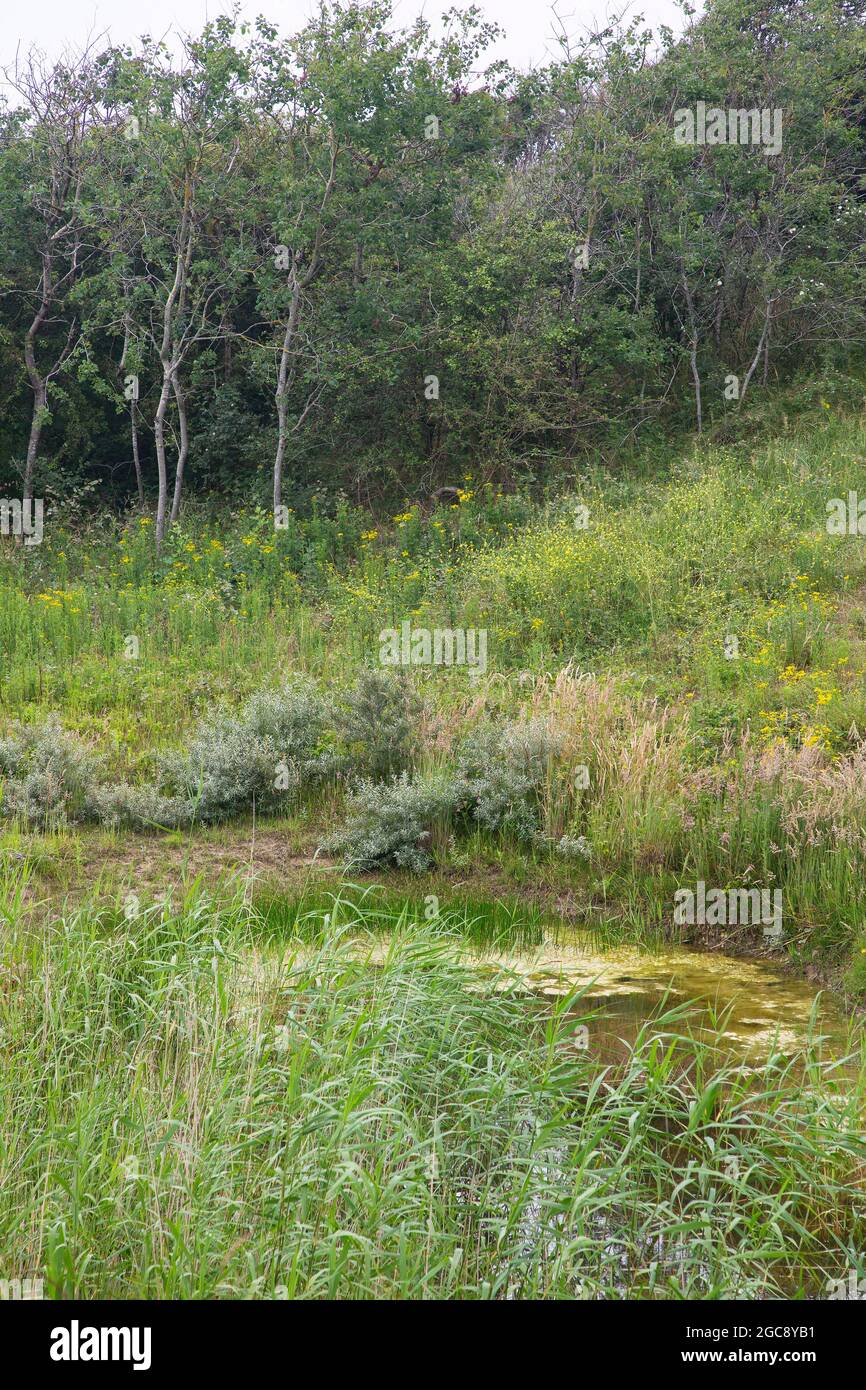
column 298, row 283
column 282, row 396
column 184, row 447
column 38, row 383
column 761, row 346
column 40, row 401
column 693, row 359
column 169, row 361
column 133, row 428
column 162, row 474
column 693, row 348
column 133, row 422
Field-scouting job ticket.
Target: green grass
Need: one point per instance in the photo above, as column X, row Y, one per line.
column 294, row 1088
column 317, row 914
column 727, row 543
column 732, row 543
column 197, row 1104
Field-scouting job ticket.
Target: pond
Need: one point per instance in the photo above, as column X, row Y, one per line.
column 752, row 1006
column 749, row 1007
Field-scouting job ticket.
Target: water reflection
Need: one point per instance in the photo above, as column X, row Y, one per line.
column 753, row 1003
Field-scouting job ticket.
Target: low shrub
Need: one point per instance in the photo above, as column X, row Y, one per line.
column 574, row 847
column 392, row 823
column 46, row 774
column 124, row 807
column 379, row 723
column 505, row 771
column 277, row 745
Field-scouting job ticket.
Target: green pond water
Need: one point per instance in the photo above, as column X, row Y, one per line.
column 751, row 1007
column 745, row 1009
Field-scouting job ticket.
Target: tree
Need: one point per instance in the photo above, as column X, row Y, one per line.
column 50, row 147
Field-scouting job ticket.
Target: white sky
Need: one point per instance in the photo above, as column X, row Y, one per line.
column 53, row 25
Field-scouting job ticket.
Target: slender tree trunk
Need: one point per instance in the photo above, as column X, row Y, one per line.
column 169, row 363
column 757, row 357
column 133, row 420
column 184, row 447
column 696, row 377
column 298, row 283
column 282, row 394
column 40, row 401
column 136, row 458
column 162, row 473
column 693, row 350
column 38, row 383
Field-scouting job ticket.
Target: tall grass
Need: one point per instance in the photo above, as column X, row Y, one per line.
column 193, row 1105
column 316, row 914
column 664, row 571
column 732, row 770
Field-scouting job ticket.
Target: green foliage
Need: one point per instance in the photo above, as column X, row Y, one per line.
column 505, row 771
column 46, row 775
column 393, row 823
column 379, row 723
column 124, row 807
column 574, row 847
column 334, row 260
column 273, row 749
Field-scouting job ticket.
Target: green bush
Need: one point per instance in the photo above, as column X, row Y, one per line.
column 124, row 807
column 379, row 723
column 505, row 771
column 392, row 823
column 46, row 774
column 274, row 747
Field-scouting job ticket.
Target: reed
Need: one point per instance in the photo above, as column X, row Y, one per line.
column 213, row 1100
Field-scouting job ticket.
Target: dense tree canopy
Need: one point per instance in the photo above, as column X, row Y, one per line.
column 345, row 260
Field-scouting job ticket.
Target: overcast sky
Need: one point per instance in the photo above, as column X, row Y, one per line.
column 529, row 24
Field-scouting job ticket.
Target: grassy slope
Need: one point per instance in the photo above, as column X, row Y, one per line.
column 730, row 545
